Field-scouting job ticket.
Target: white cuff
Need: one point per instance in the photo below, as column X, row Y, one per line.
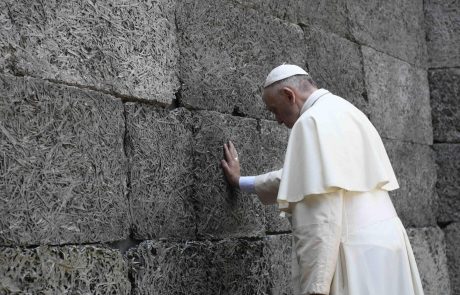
column 247, row 184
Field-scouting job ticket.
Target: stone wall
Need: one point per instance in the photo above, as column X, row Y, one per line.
column 113, row 115
column 442, row 21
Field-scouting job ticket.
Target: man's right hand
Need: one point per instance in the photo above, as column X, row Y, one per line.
column 231, row 164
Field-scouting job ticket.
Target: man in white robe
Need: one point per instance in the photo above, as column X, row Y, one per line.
column 347, row 237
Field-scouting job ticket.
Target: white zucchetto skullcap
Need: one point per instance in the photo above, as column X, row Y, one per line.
column 282, row 72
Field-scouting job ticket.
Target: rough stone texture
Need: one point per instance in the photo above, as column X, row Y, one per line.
column 336, row 64
column 127, row 47
column 430, row 253
column 445, row 104
column 414, row 165
column 274, row 138
column 279, row 250
column 452, row 234
column 226, row 53
column 223, row 211
column 236, row 267
column 63, row 270
column 448, row 184
column 62, row 164
column 442, row 25
column 160, row 153
column 311, row 13
column 399, row 99
column 395, row 27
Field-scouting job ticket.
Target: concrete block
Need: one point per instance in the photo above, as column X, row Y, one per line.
column 63, row 164
column 223, row 211
column 452, row 234
column 160, row 160
column 237, row 267
column 399, row 99
column 448, row 185
column 415, row 200
column 279, row 251
column 63, row 270
column 395, row 27
column 445, row 104
column 336, row 64
column 274, row 138
column 442, row 25
column 126, row 47
column 311, row 13
column 429, row 249
column 227, row 52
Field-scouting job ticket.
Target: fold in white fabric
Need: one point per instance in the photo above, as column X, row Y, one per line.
column 333, row 146
column 351, row 243
column 266, row 186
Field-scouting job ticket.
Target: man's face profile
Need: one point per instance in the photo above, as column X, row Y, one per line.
column 281, row 103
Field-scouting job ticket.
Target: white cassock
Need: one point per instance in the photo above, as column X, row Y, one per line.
column 347, row 237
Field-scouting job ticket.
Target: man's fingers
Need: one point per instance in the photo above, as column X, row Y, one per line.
column 233, row 150
column 228, row 155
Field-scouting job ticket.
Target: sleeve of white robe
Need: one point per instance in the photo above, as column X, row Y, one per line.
column 267, row 185
column 316, row 229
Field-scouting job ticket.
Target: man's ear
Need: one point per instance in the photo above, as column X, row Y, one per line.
column 289, row 94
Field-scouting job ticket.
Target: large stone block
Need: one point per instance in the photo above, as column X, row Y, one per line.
column 279, row 250
column 63, row 165
column 415, row 200
column 63, row 270
column 223, row 211
column 205, row 267
column 336, row 64
column 430, row 253
column 226, row 53
column 274, row 138
column 395, row 27
column 442, row 25
column 452, row 234
column 399, row 99
column 448, row 184
column 160, row 153
column 312, row 13
column 445, row 104
column 126, row 47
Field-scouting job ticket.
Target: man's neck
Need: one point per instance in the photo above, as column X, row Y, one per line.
column 305, row 96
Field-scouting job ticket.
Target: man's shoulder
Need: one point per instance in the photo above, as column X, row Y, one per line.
column 331, row 110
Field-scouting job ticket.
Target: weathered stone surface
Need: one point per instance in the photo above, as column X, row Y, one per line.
column 223, row 211
column 395, row 27
column 226, row 53
column 63, row 270
column 312, row 13
column 279, row 250
column 399, row 99
column 442, row 25
column 237, row 267
column 274, row 138
column 127, row 47
column 448, row 184
column 160, row 154
column 415, row 200
column 452, row 234
column 62, row 164
column 445, row 104
column 336, row 64
column 430, row 253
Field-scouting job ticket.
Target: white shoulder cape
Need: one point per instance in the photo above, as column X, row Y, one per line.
column 333, row 146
